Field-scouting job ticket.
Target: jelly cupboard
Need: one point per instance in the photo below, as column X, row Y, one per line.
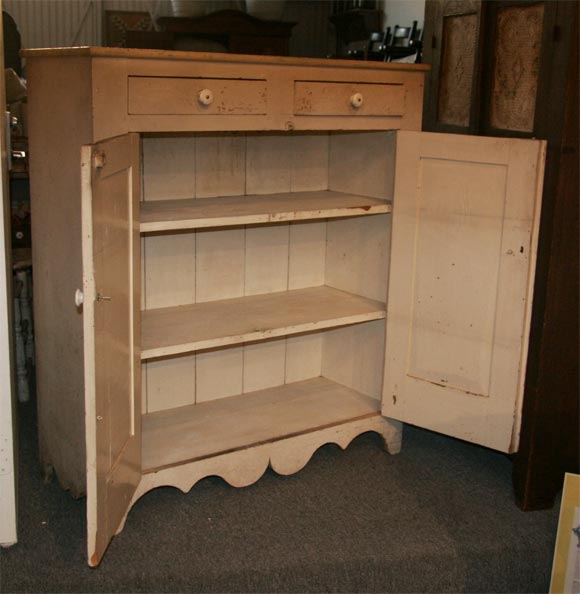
column 238, row 259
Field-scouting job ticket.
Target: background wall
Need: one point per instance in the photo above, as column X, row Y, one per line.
column 58, row 23
column 402, row 12
column 63, row 23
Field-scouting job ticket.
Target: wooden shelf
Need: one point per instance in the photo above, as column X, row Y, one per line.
column 171, row 215
column 186, row 328
column 198, row 431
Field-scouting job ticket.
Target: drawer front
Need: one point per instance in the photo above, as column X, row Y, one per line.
column 159, row 95
column 348, row 99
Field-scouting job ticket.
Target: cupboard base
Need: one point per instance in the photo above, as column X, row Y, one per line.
column 244, row 467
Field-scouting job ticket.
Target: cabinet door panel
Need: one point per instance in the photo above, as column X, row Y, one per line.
column 110, row 228
column 465, row 221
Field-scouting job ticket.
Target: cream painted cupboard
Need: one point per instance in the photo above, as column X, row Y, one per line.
column 238, row 259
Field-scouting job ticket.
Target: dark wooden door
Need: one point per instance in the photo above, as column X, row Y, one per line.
column 452, row 45
column 516, row 77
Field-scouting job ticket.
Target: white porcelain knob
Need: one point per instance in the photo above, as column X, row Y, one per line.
column 356, row 100
column 205, row 97
column 79, row 297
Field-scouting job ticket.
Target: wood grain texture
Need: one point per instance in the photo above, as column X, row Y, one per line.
column 192, row 433
column 254, row 209
column 173, row 330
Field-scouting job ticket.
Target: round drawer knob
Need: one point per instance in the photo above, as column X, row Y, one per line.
column 356, row 100
column 79, row 297
column 205, row 97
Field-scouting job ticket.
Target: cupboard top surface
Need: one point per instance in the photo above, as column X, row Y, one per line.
column 117, row 52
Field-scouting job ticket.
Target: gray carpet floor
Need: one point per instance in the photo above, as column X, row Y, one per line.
column 439, row 517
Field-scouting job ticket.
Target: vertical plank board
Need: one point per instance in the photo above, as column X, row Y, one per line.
column 362, row 163
column 357, row 256
column 219, row 373
column 307, row 255
column 268, row 169
column 357, row 252
column 168, row 167
column 171, row 382
column 264, row 364
column 169, row 173
column 268, row 163
column 220, row 264
column 169, row 274
column 266, row 259
column 310, row 154
column 220, row 169
column 307, row 251
column 220, row 162
column 306, row 269
column 354, row 356
column 303, row 357
column 269, row 159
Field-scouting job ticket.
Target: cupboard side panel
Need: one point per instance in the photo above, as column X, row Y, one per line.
column 354, row 357
column 357, row 255
column 357, row 248
column 55, row 188
column 168, row 264
column 221, row 171
column 362, row 163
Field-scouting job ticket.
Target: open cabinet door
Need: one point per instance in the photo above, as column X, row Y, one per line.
column 465, row 226
column 110, row 227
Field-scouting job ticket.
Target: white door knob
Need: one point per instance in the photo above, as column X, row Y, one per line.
column 79, row 297
column 356, row 100
column 205, row 97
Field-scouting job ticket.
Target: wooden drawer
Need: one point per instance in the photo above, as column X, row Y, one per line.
column 319, row 98
column 160, row 95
